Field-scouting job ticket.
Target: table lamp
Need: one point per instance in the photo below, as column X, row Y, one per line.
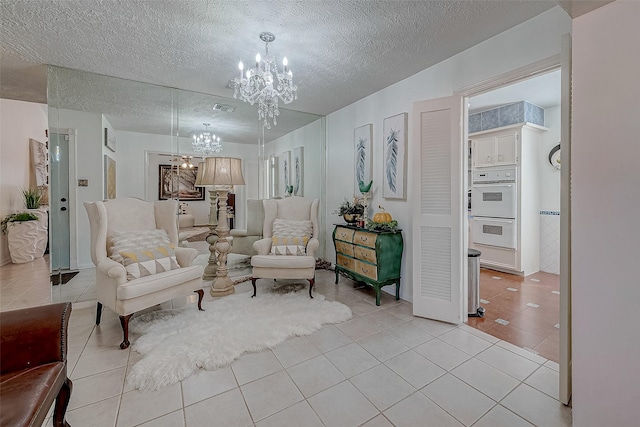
column 212, row 265
column 222, row 173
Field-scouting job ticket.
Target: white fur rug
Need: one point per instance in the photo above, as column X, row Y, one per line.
column 175, row 343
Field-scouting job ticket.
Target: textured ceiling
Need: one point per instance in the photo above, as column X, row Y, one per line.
column 340, row 51
column 143, row 107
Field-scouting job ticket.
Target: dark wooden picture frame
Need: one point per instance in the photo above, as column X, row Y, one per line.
column 175, row 182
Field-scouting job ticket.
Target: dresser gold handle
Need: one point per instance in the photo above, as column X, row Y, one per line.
column 365, row 270
column 364, row 239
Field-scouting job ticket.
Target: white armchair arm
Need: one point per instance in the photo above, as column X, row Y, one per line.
column 312, row 246
column 262, row 246
column 185, row 256
column 113, row 269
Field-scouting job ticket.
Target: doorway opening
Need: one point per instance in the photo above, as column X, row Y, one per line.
column 514, row 211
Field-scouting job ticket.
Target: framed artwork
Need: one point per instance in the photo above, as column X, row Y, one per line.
column 394, row 134
column 109, row 178
column 362, row 140
column 110, row 139
column 39, row 162
column 178, row 183
column 298, row 171
column 284, row 173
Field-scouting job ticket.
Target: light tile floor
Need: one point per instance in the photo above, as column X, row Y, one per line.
column 384, row 367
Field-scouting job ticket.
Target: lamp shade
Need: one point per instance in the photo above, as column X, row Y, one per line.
column 222, row 171
column 201, row 167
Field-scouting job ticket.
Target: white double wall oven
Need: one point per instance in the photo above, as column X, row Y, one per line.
column 494, row 207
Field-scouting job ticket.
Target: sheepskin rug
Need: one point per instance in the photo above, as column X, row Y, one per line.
column 176, row 343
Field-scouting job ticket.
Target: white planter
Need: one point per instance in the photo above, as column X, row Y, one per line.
column 24, row 240
column 43, row 229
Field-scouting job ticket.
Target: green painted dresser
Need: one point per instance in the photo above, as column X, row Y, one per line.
column 372, row 257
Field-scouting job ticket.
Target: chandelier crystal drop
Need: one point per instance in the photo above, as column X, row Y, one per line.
column 265, row 84
column 206, row 142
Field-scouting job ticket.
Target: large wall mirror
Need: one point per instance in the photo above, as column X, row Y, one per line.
column 110, row 137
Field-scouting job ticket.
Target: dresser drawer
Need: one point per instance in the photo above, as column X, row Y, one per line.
column 366, row 270
column 364, row 238
column 344, row 234
column 344, row 248
column 366, row 254
column 346, row 262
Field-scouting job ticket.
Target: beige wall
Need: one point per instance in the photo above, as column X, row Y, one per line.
column 605, row 206
column 19, row 121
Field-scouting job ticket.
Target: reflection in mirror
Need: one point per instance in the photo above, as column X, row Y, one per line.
column 116, row 133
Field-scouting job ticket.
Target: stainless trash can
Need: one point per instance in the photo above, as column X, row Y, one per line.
column 474, row 284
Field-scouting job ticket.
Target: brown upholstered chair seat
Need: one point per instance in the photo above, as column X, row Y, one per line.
column 33, row 365
column 28, row 393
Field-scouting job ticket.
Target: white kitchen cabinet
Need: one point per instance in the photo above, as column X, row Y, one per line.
column 495, row 148
column 513, row 145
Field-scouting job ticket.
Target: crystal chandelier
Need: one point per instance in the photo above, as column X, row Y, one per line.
column 206, row 142
column 258, row 85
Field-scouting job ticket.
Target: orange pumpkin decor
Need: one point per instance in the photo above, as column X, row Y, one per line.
column 382, row 217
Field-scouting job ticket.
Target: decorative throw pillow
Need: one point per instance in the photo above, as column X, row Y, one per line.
column 149, row 261
column 292, row 228
column 289, row 245
column 290, row 237
column 136, row 240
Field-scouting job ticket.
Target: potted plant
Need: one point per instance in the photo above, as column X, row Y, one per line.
column 32, row 198
column 23, row 236
column 350, row 211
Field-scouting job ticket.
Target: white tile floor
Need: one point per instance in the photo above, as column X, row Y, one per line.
column 384, row 367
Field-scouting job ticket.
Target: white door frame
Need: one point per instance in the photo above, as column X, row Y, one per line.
column 565, row 225
column 560, row 61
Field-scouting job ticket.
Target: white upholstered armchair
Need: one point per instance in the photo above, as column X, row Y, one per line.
column 138, row 263
column 290, row 241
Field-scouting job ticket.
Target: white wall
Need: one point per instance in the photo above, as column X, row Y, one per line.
column 531, row 41
column 549, row 176
column 19, row 121
column 549, row 194
column 605, row 206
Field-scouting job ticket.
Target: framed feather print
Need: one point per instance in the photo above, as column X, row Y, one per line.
column 394, row 153
column 297, row 167
column 362, row 140
column 284, row 174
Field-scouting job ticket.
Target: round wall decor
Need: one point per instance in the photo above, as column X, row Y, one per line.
column 554, row 157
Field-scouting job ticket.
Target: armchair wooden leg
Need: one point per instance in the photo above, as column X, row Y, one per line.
column 62, row 401
column 200, row 293
column 311, row 283
column 98, row 313
column 253, row 282
column 124, row 321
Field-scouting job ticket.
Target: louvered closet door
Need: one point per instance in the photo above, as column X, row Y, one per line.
column 438, row 259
